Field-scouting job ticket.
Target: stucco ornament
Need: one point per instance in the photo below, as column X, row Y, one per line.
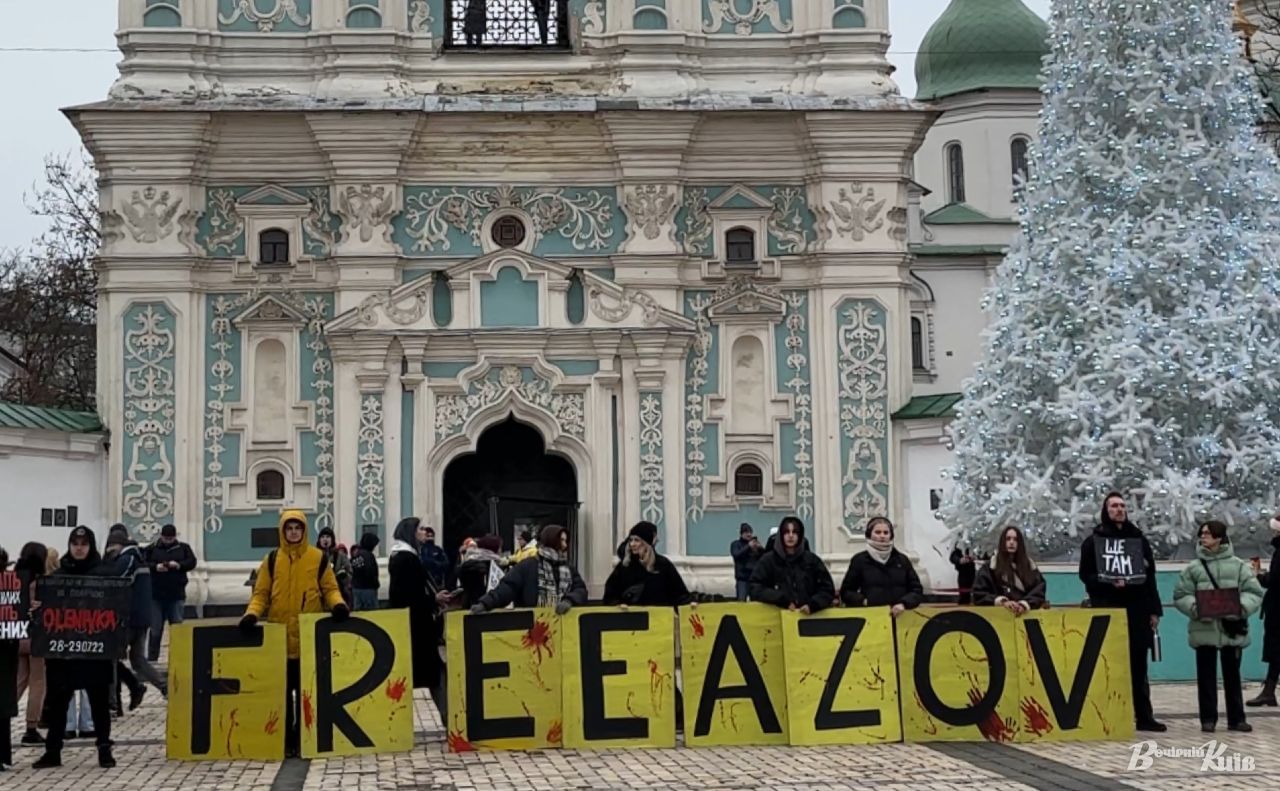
column 266, row 20
column 149, row 215
column 567, row 409
column 722, row 11
column 858, row 213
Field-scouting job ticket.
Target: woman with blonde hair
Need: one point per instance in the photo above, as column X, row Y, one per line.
column 643, row 577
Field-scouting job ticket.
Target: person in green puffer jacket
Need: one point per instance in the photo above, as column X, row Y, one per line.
column 1210, row 637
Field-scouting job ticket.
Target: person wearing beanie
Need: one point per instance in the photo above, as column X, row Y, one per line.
column 547, row 580
column 170, row 560
column 339, row 561
column 435, row 560
column 480, row 569
column 365, row 581
column 644, row 578
column 293, row 579
column 790, row 576
column 1270, row 580
column 64, row 677
column 880, row 575
column 746, row 552
column 526, row 548
column 130, row 562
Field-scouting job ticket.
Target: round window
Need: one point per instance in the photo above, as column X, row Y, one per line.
column 508, row 231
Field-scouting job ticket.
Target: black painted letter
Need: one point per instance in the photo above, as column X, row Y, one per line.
column 204, row 641
column 474, row 627
column 331, row 705
column 729, row 637
column 591, row 626
column 826, row 718
column 980, row 629
column 1066, row 709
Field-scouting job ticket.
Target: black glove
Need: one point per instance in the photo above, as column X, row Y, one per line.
column 340, row 613
column 478, row 608
column 249, row 623
column 563, row 606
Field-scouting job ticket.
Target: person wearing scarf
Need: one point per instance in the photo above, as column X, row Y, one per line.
column 1141, row 602
column 476, row 567
column 644, row 578
column 1010, row 579
column 412, row 588
column 1270, row 580
column 63, row 677
column 547, row 580
column 880, row 575
column 790, row 576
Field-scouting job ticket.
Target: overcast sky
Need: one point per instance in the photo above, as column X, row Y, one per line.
column 38, row 83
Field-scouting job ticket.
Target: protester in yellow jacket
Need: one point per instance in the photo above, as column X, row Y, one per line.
column 293, row 579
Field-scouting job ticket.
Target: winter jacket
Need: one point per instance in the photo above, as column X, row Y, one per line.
column 800, row 578
column 632, row 584
column 301, row 582
column 520, row 555
column 520, row 587
column 436, row 561
column 744, row 559
column 1271, row 606
column 170, row 585
column 473, row 574
column 81, row 673
column 364, row 564
column 1230, row 572
column 870, row 583
column 987, row 588
column 411, row 589
column 130, row 562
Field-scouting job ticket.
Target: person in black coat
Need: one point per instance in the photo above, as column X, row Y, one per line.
column 644, row 578
column 790, row 576
column 548, row 580
column 8, row 684
column 1010, row 579
column 746, row 552
column 966, row 572
column 365, row 581
column 169, row 560
column 476, row 567
column 880, row 575
column 1270, row 622
column 1140, row 602
column 63, row 677
column 412, row 589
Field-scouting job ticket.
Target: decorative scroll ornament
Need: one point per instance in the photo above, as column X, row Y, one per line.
column 266, row 20
column 584, row 218
column 568, row 409
column 649, row 206
column 149, row 215
column 651, row 479
column 225, row 223
column 697, row 221
column 864, row 393
column 420, row 19
column 366, row 210
column 369, row 485
column 722, row 11
column 801, row 391
column 593, row 18
column 318, row 224
column 628, row 302
column 695, row 462
column 419, row 301
column 858, row 214
column 786, row 222
column 150, row 405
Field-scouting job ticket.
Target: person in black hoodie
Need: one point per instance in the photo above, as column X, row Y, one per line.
column 966, row 573
column 880, row 575
column 412, row 588
column 169, row 560
column 130, row 563
column 746, row 552
column 1270, row 621
column 790, row 576
column 644, row 578
column 63, row 677
column 548, row 580
column 364, row 573
column 1010, row 579
column 1141, row 602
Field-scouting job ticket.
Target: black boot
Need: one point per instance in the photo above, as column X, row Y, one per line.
column 105, row 759
column 32, row 736
column 135, row 696
column 48, row 761
column 1267, row 697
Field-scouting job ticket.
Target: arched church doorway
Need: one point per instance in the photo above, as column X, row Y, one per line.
column 511, row 483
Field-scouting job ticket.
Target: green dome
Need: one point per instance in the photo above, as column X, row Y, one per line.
column 980, row 44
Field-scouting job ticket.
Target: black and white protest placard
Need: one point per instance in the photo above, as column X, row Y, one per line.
column 80, row 617
column 13, row 606
column 1120, row 559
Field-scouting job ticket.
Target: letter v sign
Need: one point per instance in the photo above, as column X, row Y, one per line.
column 1067, row 710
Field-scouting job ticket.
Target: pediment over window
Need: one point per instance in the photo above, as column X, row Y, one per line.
column 269, row 310
column 744, row 297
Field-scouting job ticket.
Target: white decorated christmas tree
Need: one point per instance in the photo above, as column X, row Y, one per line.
column 1134, row 328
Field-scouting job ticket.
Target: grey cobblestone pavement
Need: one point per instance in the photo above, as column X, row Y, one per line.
column 1092, row 766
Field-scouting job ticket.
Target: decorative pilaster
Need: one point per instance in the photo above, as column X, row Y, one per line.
column 370, row 463
column 150, row 408
column 652, row 477
column 862, row 362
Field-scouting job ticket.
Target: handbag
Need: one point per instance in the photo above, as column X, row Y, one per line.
column 1222, row 604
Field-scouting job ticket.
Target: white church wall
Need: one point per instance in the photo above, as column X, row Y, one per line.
column 50, row 470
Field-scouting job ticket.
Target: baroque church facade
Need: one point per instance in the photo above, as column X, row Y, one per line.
column 589, row 261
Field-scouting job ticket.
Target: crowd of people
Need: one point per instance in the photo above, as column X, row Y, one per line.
column 1218, row 593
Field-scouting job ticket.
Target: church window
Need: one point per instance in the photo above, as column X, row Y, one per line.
column 740, row 247
column 508, row 232
column 917, row 344
column 1018, row 159
column 273, row 247
column 748, row 480
column 955, row 173
column 575, row 299
column 270, row 485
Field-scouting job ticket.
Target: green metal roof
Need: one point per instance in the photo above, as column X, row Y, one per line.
column 981, row 44
column 37, row 417
column 963, row 214
column 930, row 406
column 959, row 250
